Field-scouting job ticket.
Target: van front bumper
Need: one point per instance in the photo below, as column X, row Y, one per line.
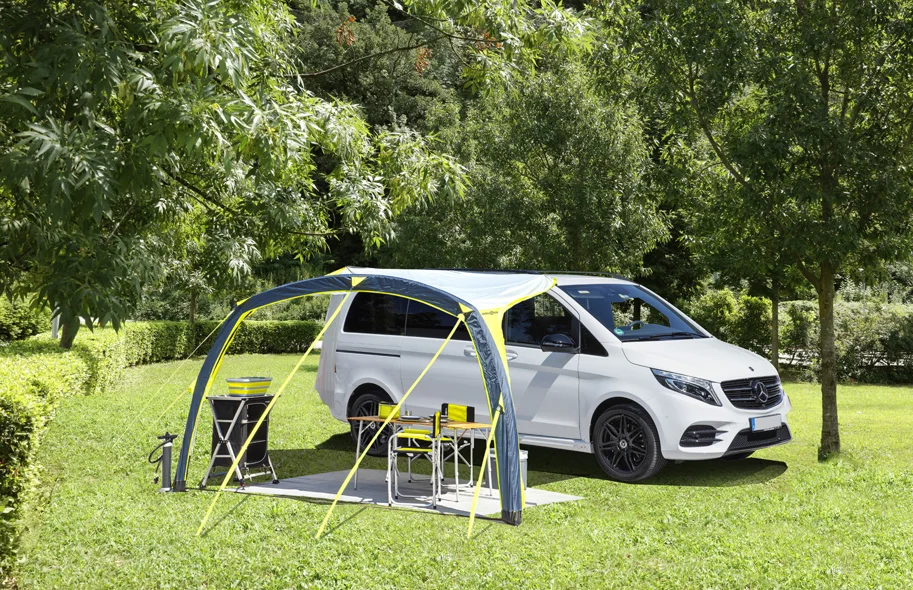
column 698, row 431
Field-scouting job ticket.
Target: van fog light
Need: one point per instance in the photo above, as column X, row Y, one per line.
column 699, row 389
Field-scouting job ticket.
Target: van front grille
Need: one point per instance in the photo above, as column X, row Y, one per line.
column 754, row 394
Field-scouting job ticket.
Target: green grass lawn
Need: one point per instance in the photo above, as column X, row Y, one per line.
column 779, row 519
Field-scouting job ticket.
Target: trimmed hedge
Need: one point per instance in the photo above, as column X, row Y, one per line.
column 18, row 320
column 35, row 374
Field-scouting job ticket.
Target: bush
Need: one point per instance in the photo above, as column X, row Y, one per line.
column 750, row 325
column 714, row 311
column 874, row 339
column 799, row 335
column 875, row 342
column 18, row 320
column 36, row 374
column 30, row 388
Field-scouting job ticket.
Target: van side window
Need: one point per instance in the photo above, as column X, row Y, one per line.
column 528, row 322
column 424, row 321
column 375, row 313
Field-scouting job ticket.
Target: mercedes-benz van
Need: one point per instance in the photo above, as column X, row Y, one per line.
column 597, row 365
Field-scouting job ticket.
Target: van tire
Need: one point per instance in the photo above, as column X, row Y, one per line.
column 364, row 405
column 626, row 443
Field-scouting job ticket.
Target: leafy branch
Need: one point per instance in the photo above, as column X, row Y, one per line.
column 361, row 59
column 200, row 196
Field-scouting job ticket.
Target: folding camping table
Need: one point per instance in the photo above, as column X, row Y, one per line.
column 459, row 430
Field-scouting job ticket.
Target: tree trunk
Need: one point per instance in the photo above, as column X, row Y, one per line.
column 68, row 332
column 193, row 307
column 775, row 323
column 830, row 430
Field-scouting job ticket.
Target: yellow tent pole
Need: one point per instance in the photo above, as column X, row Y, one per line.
column 393, row 413
column 475, row 495
column 266, row 412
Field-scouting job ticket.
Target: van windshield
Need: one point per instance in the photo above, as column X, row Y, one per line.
column 632, row 313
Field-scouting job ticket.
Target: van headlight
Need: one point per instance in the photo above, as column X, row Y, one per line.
column 691, row 386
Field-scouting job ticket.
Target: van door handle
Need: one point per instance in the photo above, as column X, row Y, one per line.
column 469, row 351
column 511, row 354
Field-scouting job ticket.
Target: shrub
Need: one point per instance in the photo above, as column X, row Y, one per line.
column 874, row 340
column 750, row 324
column 18, row 320
column 35, row 374
column 714, row 311
column 30, row 388
column 799, row 336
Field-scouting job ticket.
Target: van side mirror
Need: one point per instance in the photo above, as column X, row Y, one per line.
column 558, row 343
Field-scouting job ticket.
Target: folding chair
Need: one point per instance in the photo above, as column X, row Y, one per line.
column 457, row 413
column 407, row 443
column 417, row 434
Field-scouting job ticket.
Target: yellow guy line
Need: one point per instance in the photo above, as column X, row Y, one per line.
column 166, row 382
column 212, row 378
column 176, row 400
column 475, row 495
column 393, row 413
column 266, row 412
column 192, row 383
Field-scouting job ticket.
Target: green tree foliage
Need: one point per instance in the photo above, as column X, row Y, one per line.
column 802, row 110
column 397, row 77
column 556, row 183
column 119, row 119
column 414, row 64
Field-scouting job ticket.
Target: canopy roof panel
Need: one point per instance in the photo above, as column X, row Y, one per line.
column 484, row 290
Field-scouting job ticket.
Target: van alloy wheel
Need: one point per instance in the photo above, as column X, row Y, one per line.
column 622, row 442
column 626, row 443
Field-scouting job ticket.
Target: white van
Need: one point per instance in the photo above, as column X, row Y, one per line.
column 597, row 365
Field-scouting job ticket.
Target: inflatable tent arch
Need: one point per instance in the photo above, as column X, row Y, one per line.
column 487, row 297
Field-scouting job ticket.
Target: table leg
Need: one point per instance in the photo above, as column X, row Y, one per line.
column 456, row 464
column 472, row 448
column 488, row 451
column 361, row 424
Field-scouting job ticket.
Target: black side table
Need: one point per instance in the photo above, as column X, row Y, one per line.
column 233, row 419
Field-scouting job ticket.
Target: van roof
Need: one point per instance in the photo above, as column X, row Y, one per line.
column 563, row 277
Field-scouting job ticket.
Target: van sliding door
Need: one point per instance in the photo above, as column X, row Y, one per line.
column 454, row 378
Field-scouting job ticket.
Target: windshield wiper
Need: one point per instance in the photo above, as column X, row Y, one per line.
column 665, row 335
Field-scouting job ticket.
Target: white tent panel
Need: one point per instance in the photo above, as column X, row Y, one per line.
column 484, row 290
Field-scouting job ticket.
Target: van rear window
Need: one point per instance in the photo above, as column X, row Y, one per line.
column 375, row 313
